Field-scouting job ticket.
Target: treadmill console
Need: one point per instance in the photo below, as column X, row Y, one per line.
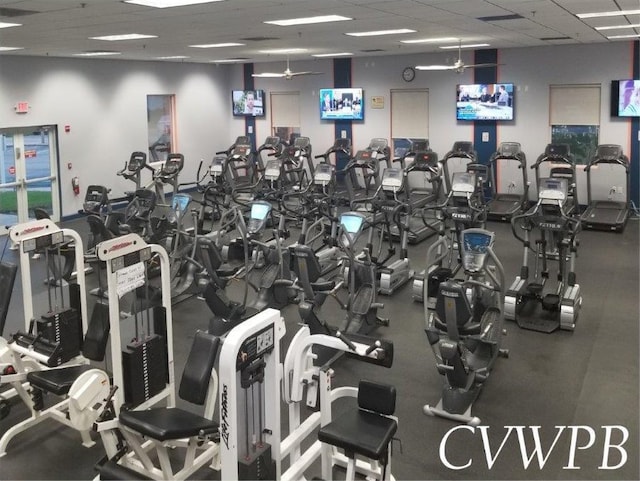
column 272, row 142
column 272, row 170
column 342, row 144
column 419, row 145
column 557, row 150
column 392, row 179
column 260, row 211
column 462, row 147
column 323, row 174
column 463, row 183
column 241, row 150
column 475, row 246
column 509, row 149
column 217, row 167
column 609, row 152
column 553, row 189
column 364, row 156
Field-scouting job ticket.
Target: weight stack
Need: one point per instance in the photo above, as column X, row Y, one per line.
column 144, row 370
column 62, row 327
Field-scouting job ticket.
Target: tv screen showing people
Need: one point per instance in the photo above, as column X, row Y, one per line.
column 484, row 102
column 248, row 103
column 629, row 98
column 341, row 104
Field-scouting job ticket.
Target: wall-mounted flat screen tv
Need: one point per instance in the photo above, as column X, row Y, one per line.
column 484, row 102
column 625, row 98
column 248, row 103
column 341, row 104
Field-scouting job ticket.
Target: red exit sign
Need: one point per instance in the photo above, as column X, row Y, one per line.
column 22, row 107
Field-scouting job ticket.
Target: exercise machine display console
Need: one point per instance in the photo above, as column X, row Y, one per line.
column 553, row 189
column 475, row 246
column 260, row 211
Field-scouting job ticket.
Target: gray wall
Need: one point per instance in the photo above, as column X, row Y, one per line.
column 104, row 102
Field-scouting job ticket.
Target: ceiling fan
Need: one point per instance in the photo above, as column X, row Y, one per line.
column 287, row 74
column 458, row 66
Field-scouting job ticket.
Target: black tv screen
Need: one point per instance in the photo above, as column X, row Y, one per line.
column 625, row 98
column 484, row 101
column 341, row 104
column 248, row 103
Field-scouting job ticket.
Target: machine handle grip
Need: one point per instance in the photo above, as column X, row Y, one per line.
column 344, row 339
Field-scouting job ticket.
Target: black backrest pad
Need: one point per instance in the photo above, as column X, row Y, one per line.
column 197, row 370
column 377, row 397
column 95, row 340
column 7, row 280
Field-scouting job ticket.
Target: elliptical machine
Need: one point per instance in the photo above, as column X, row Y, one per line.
column 465, row 330
column 530, row 302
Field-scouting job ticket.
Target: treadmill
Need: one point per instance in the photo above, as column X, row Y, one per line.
column 505, row 205
column 456, row 160
column 609, row 214
column 563, row 166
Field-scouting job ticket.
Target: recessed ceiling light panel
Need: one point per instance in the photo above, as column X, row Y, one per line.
column 284, row 50
column 374, row 33
column 173, row 57
column 616, row 27
column 633, row 35
column 168, row 3
column 430, row 40
column 469, row 45
column 218, row 45
column 97, row 53
column 7, row 25
column 615, row 13
column 7, row 49
column 126, row 36
column 340, row 54
column 308, row 20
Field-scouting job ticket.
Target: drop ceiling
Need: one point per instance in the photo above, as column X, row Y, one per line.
column 62, row 28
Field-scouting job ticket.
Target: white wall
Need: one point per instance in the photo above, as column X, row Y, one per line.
column 104, row 103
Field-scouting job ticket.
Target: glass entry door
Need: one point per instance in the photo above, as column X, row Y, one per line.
column 28, row 174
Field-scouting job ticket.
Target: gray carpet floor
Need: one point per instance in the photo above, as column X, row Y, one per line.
column 587, row 378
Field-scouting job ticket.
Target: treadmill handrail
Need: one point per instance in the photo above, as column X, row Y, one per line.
column 624, row 162
column 553, row 158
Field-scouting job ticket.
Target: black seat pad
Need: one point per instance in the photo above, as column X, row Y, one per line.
column 167, row 423
column 57, row 381
column 363, row 432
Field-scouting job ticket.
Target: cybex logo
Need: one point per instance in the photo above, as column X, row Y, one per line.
column 449, row 293
column 30, row 230
column 528, row 439
column 122, row 245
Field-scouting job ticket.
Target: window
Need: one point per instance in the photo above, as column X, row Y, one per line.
column 285, row 115
column 409, row 118
column 161, row 126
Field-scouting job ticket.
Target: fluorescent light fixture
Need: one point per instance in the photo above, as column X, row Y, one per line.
column 340, row 54
column 218, row 45
column 430, row 40
column 615, row 13
column 7, row 25
column 469, row 45
column 230, row 60
column 374, row 33
column 284, row 50
column 7, row 49
column 126, row 36
column 172, row 57
column 632, row 35
column 433, row 67
column 308, row 20
column 95, row 54
column 269, row 75
column 616, row 27
column 168, row 3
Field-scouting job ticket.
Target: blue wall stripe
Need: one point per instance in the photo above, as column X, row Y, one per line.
column 342, row 79
column 249, row 122
column 634, row 154
column 485, row 75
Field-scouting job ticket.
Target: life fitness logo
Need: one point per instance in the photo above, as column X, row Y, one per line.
column 608, row 440
column 122, row 245
column 31, row 230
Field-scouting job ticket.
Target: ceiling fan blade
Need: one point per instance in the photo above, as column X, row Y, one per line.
column 296, row 74
column 268, row 75
column 480, row 65
column 434, row 67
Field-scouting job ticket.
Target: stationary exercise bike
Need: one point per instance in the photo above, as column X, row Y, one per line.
column 530, row 301
column 465, row 330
